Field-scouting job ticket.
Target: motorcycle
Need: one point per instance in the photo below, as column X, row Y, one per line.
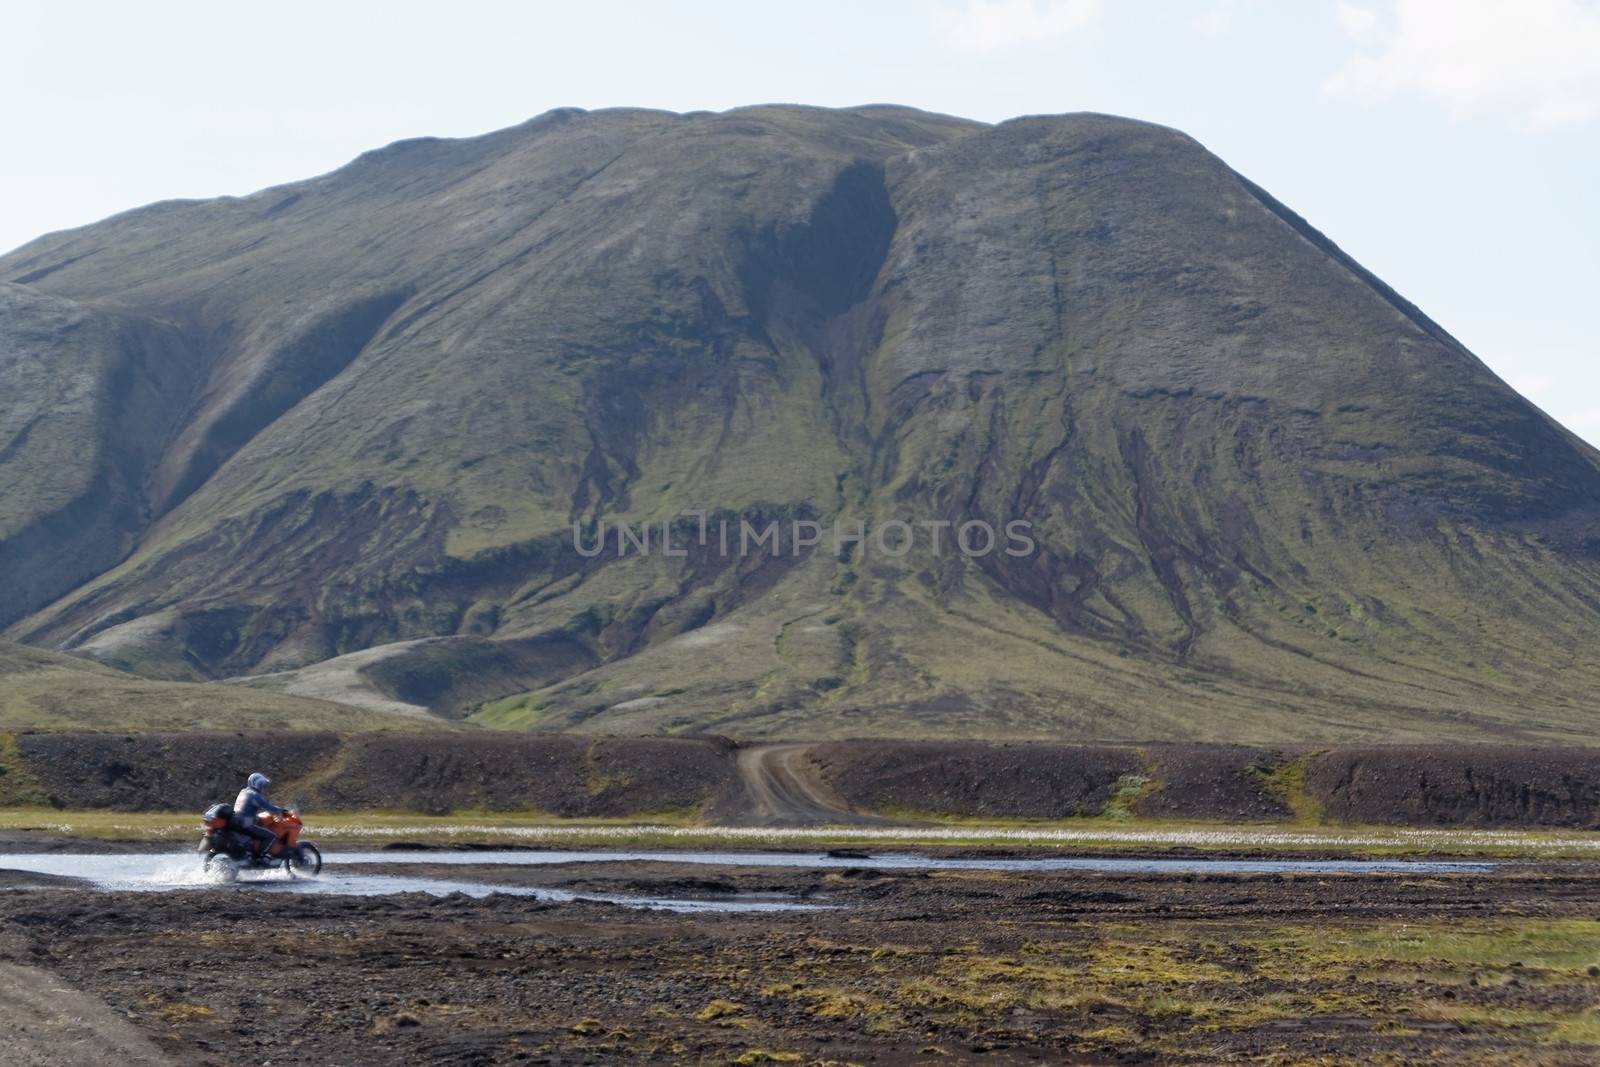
column 224, row 851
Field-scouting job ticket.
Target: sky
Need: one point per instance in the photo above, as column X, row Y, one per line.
column 1451, row 146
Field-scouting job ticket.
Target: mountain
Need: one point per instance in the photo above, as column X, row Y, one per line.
column 333, row 438
column 42, row 690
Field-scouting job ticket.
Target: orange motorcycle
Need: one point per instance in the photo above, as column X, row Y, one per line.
column 224, row 849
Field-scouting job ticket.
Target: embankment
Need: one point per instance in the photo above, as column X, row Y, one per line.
column 1441, row 785
column 436, row 774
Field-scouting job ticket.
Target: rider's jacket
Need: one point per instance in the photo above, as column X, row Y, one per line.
column 250, row 803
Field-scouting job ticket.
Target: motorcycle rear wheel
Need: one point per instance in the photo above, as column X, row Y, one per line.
column 305, row 861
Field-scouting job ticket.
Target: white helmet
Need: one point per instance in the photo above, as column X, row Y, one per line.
column 258, row 781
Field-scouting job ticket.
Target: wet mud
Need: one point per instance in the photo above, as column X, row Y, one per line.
column 905, row 965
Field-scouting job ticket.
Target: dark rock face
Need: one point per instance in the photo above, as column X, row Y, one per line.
column 1270, row 500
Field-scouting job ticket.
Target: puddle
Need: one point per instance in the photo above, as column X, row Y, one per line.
column 156, row 873
column 902, row 861
column 159, row 874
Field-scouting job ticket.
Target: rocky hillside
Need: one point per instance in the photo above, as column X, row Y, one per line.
column 333, row 439
column 51, row 692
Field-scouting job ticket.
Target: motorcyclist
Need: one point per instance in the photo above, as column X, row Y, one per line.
column 251, row 803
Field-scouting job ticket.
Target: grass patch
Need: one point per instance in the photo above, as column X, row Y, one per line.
column 1562, row 946
column 520, row 712
column 1125, row 796
column 18, row 786
column 595, row 780
column 761, row 1055
column 174, row 1013
column 1286, row 783
column 1168, row 986
column 719, row 1009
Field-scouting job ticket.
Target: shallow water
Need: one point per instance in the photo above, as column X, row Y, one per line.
column 157, row 874
column 147, row 873
column 907, row 861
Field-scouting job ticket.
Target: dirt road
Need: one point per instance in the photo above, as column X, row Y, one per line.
column 50, row 1024
column 783, row 789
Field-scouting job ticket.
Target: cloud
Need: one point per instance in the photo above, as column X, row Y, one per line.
column 1218, row 18
column 1356, row 21
column 990, row 25
column 1583, row 422
column 1531, row 384
column 1537, row 60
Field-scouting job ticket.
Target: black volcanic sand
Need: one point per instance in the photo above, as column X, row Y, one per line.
column 911, row 967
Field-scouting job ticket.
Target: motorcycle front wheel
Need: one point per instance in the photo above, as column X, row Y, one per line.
column 221, row 868
column 305, row 861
